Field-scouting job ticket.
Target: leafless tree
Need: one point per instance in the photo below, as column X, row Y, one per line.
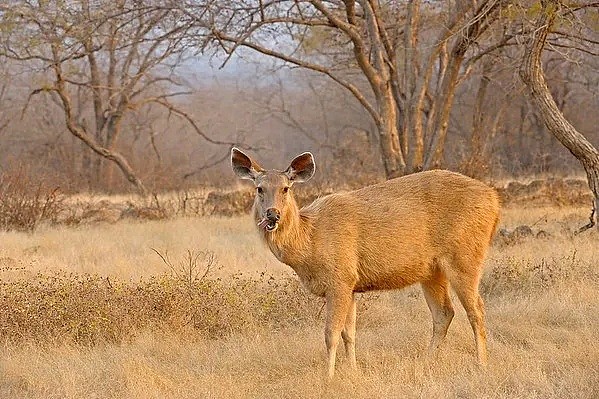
column 479, row 112
column 315, row 112
column 101, row 61
column 533, row 76
column 374, row 49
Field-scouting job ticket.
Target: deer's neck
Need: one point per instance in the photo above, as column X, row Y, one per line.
column 290, row 241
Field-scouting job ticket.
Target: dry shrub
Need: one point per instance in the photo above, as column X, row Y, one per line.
column 547, row 192
column 189, row 203
column 516, row 236
column 155, row 207
column 521, row 274
column 238, row 202
column 229, row 203
column 25, row 203
column 152, row 210
column 89, row 309
column 90, row 211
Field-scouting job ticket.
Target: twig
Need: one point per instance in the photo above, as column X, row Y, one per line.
column 163, row 257
column 591, row 223
column 208, row 164
column 321, row 308
column 541, row 218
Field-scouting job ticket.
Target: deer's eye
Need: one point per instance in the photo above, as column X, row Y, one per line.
column 259, row 190
column 285, row 189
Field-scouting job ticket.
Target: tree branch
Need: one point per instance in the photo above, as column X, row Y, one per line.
column 307, row 65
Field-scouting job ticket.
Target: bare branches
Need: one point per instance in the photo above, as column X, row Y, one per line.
column 175, row 110
column 209, row 164
column 33, row 94
column 120, row 55
column 5, row 119
column 479, row 21
column 245, row 41
column 365, row 36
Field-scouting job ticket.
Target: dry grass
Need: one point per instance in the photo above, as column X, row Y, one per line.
column 542, row 298
column 123, row 249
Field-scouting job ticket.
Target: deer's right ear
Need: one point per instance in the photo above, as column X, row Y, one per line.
column 243, row 166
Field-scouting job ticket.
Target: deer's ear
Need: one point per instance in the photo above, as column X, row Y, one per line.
column 243, row 166
column 302, row 168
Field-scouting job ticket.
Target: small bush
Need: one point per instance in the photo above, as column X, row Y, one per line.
column 26, row 203
column 513, row 274
column 88, row 309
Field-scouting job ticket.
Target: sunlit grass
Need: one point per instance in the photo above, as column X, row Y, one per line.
column 135, row 329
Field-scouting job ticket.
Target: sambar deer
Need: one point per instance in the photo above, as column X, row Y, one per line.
column 431, row 228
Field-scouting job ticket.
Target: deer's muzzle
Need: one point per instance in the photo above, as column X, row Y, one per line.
column 271, row 221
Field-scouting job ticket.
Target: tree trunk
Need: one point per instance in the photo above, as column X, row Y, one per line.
column 113, row 156
column 448, row 88
column 476, row 164
column 531, row 72
column 412, row 112
column 391, row 153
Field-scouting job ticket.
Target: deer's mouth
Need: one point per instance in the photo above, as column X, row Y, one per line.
column 268, row 225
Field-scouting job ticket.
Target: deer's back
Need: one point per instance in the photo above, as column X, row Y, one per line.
column 396, row 231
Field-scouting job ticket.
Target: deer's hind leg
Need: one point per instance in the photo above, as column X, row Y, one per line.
column 436, row 293
column 465, row 284
column 349, row 334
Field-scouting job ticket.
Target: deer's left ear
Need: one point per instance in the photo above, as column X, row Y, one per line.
column 302, row 168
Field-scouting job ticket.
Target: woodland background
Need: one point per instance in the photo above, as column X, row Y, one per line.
column 170, row 87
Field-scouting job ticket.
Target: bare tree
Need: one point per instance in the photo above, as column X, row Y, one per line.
column 533, row 76
column 405, row 85
column 101, row 61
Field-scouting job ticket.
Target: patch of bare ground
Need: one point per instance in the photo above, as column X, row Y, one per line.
column 92, row 311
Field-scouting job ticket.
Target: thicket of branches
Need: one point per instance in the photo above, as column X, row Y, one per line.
column 134, row 87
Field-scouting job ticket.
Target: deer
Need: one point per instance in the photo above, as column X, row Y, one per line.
column 433, row 228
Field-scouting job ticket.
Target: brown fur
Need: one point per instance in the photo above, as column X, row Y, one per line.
column 431, row 228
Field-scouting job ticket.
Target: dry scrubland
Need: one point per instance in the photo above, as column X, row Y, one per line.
column 92, row 311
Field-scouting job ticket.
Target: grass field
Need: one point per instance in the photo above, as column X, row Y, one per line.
column 93, row 312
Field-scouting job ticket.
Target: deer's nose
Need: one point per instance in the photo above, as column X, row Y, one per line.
column 273, row 214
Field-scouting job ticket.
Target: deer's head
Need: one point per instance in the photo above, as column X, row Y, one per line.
column 273, row 187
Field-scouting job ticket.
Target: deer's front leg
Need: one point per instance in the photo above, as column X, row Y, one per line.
column 339, row 304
